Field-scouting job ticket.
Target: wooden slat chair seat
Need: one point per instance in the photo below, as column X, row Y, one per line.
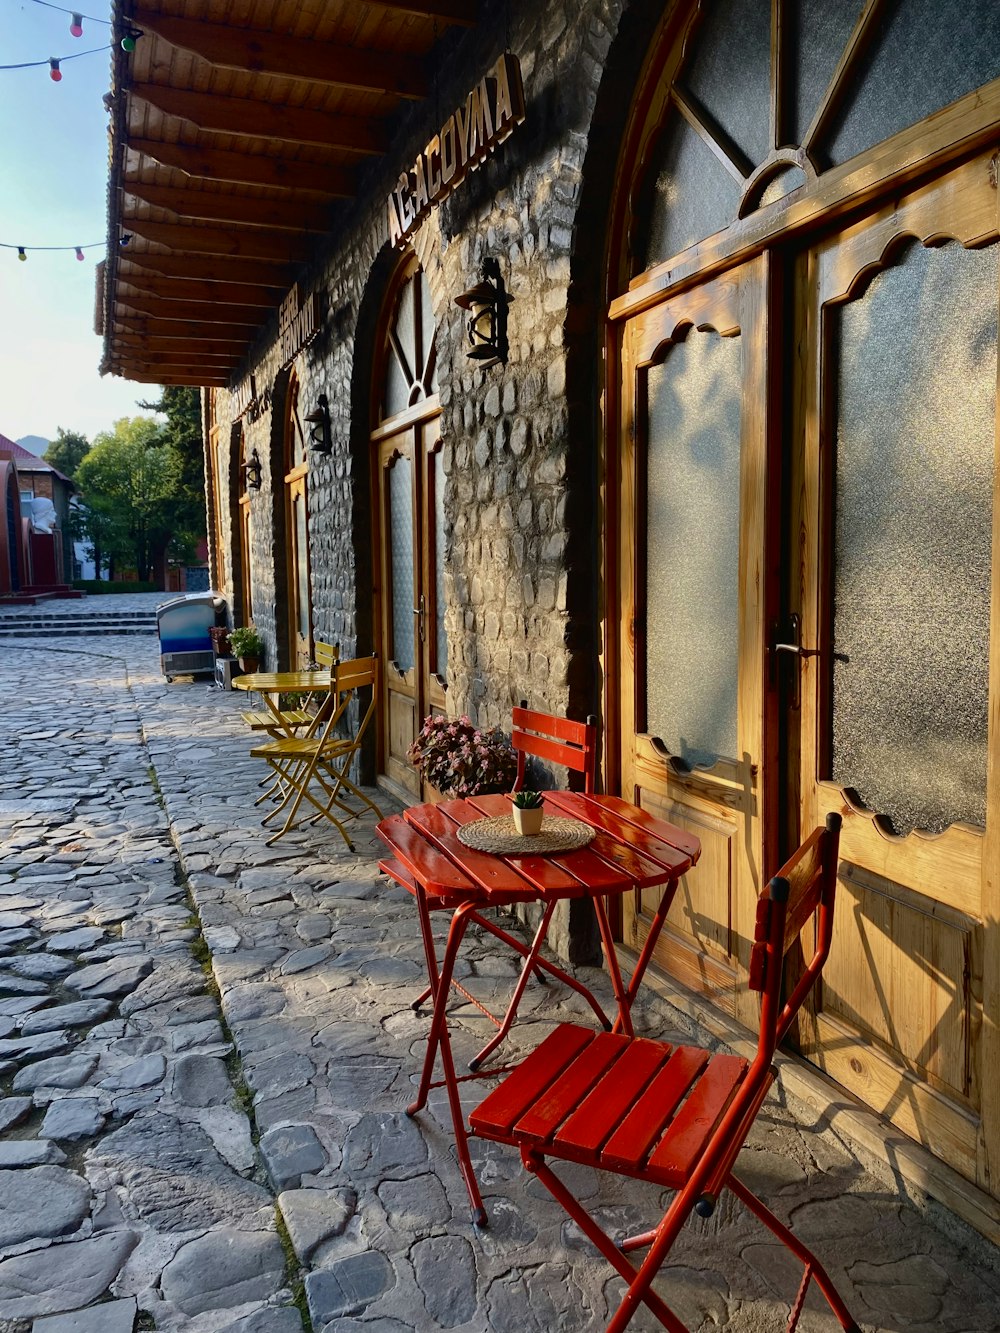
column 312, row 770
column 673, row 1115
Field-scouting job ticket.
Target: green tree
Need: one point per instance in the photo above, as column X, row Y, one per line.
column 67, row 451
column 129, row 482
column 182, row 435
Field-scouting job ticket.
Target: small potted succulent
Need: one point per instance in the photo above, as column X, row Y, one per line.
column 528, row 811
column 246, row 643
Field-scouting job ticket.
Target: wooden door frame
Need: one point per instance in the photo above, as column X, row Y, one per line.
column 295, row 481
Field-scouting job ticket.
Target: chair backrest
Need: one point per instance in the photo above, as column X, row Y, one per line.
column 325, row 654
column 357, row 673
column 804, row 887
column 558, row 740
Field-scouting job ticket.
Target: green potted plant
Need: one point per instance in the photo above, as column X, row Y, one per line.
column 246, row 643
column 528, row 812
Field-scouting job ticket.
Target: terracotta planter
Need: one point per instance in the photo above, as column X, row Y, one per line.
column 528, row 822
column 249, row 664
column 220, row 641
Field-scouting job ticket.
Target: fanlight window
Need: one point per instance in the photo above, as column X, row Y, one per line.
column 411, row 362
column 770, row 95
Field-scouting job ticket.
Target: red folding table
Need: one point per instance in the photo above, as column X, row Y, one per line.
column 631, row 850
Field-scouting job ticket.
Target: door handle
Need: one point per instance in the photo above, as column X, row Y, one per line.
column 796, row 650
column 419, row 612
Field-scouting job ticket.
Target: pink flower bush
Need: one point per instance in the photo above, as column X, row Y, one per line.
column 461, row 760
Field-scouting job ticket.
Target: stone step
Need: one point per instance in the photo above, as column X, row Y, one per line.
column 26, row 629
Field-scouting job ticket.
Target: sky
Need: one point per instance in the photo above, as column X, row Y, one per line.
column 53, row 192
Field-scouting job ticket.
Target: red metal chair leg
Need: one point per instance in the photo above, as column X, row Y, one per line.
column 439, row 1041
column 813, row 1268
column 534, row 1162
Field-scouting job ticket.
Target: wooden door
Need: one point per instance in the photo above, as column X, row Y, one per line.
column 696, row 572
column 411, row 487
column 896, row 514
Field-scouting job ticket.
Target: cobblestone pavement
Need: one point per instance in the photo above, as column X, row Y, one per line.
column 168, row 1163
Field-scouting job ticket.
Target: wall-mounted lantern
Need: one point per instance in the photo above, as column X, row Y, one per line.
column 486, row 324
column 318, row 421
column 253, row 472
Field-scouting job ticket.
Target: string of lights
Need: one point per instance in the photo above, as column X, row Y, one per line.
column 22, row 250
column 77, row 17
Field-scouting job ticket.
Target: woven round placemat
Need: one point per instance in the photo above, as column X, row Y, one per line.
column 500, row 836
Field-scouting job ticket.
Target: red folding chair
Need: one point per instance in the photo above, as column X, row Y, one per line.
column 675, row 1116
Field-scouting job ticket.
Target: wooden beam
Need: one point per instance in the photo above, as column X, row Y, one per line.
column 194, row 379
column 243, row 242
column 215, row 361
column 130, row 344
column 148, row 284
column 457, row 13
column 249, row 168
column 180, row 328
column 205, row 312
column 268, row 276
column 268, row 52
column 265, row 120
column 207, row 204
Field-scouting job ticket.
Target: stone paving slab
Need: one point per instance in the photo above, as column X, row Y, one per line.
column 205, row 1128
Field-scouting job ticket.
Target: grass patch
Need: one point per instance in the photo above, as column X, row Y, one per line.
column 293, row 1271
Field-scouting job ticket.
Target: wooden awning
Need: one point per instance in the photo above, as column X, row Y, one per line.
column 236, row 128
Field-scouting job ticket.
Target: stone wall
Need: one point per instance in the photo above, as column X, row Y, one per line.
column 522, row 560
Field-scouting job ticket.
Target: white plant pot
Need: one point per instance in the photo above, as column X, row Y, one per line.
column 528, row 822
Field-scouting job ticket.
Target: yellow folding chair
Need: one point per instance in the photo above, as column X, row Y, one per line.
column 313, row 769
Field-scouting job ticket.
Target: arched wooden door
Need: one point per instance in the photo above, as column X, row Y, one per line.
column 806, row 329
column 410, row 528
column 296, row 484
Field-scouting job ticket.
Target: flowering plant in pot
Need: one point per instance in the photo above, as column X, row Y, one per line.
column 459, row 759
column 529, row 809
column 248, row 646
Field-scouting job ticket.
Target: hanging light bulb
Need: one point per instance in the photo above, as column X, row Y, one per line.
column 55, row 73
column 130, row 39
column 124, row 238
column 76, row 25
column 20, row 254
column 79, row 252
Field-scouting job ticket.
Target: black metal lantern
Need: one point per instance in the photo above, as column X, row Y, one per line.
column 318, row 421
column 486, row 325
column 253, row 472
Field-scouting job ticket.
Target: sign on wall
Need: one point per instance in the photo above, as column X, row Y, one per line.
column 491, row 111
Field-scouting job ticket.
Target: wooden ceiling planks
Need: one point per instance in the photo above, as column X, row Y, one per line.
column 236, row 125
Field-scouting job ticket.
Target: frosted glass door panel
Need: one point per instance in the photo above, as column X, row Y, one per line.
column 692, row 548
column 301, row 566
column 401, row 553
column 915, row 403
column 440, row 666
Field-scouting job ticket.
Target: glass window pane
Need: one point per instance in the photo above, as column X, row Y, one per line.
column 730, row 73
column 692, row 547
column 914, row 481
column 784, row 183
column 691, row 195
column 401, row 554
column 817, row 31
column 440, row 541
column 925, row 55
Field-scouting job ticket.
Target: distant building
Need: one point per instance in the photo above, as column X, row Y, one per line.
column 35, row 559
